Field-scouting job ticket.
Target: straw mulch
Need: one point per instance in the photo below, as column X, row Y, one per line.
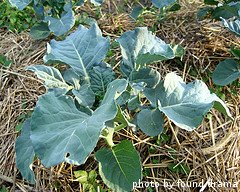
column 212, row 151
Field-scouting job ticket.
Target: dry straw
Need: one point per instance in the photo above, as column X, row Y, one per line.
column 211, row 152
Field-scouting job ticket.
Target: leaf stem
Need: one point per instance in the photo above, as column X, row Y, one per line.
column 107, row 134
column 119, row 127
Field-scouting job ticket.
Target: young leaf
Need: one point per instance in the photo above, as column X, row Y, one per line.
column 226, row 72
column 72, row 78
column 85, row 96
column 134, row 102
column 235, row 52
column 150, row 121
column 63, row 24
column 82, row 176
column 51, row 76
column 184, row 104
column 204, row 13
column 178, row 50
column 25, row 153
column 5, row 62
column 60, row 132
column 120, row 166
column 40, row 31
column 149, row 77
column 123, row 98
column 100, row 77
column 138, row 10
column 121, row 118
column 81, row 50
column 140, row 47
column 20, row 4
column 233, row 26
column 162, row 3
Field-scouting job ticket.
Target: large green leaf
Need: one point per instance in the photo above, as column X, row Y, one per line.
column 140, row 47
column 120, row 166
column 184, row 104
column 81, row 50
column 162, row 3
column 60, row 132
column 233, row 26
column 20, row 4
column 150, row 121
column 25, row 153
column 100, row 77
column 51, row 76
column 59, row 26
column 226, row 72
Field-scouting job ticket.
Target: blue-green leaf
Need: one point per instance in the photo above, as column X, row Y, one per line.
column 162, row 3
column 80, row 3
column 123, row 98
column 138, row 10
column 100, row 77
column 226, row 11
column 20, row 4
column 184, row 104
column 25, row 153
column 97, row 2
column 60, row 132
column 204, row 12
column 72, row 78
column 59, row 26
column 140, row 47
column 144, row 77
column 40, row 31
column 81, row 50
column 233, row 26
column 85, row 96
column 134, row 102
column 51, row 76
column 150, row 121
column 120, row 166
column 226, row 72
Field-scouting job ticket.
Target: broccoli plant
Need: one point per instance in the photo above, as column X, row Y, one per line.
column 219, row 9
column 160, row 9
column 54, row 16
column 228, row 70
column 228, row 11
column 87, row 102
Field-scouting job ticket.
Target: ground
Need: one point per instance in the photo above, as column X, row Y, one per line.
column 212, row 151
